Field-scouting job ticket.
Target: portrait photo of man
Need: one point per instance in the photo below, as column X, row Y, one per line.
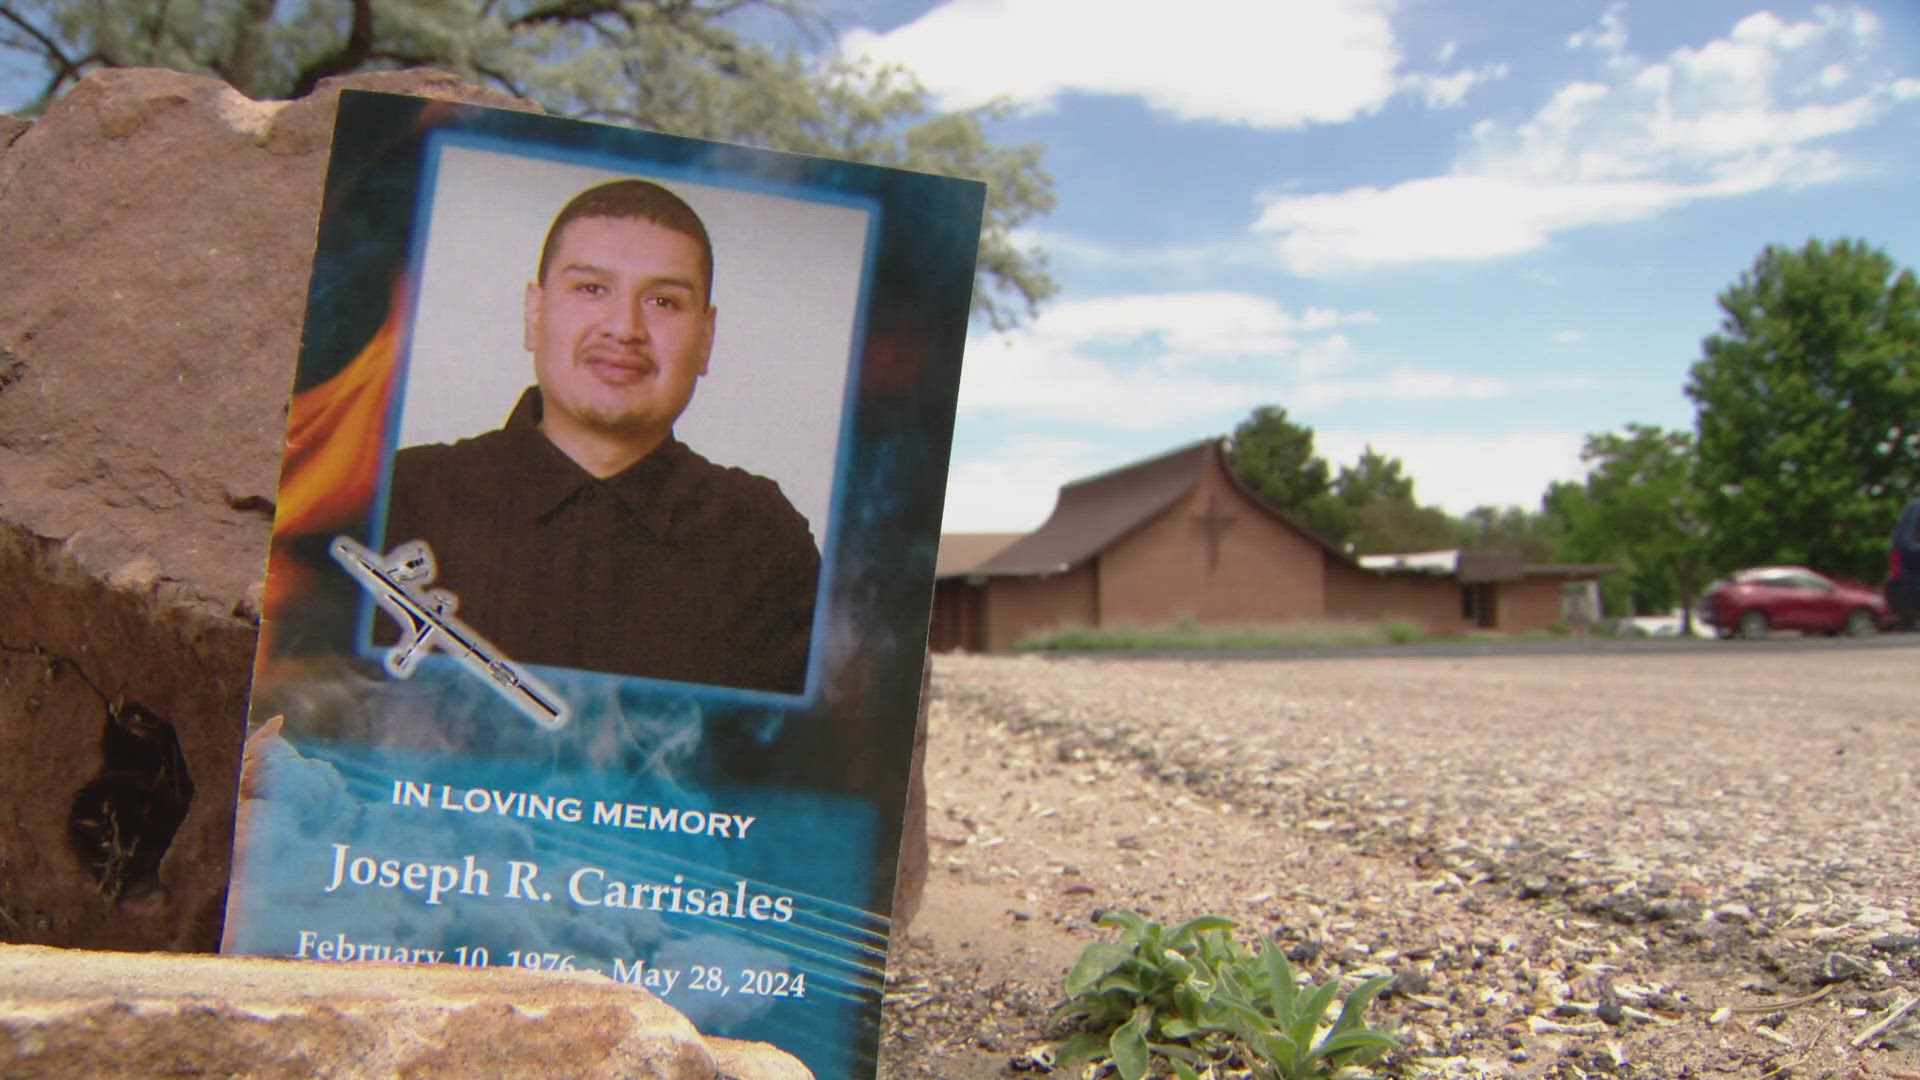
column 584, row 532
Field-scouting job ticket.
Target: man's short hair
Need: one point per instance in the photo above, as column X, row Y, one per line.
column 637, row 199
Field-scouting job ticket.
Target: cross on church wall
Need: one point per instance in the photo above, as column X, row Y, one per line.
column 1214, row 524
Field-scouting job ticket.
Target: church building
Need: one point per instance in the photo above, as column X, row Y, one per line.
column 1179, row 538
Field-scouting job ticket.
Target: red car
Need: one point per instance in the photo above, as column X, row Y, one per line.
column 1753, row 602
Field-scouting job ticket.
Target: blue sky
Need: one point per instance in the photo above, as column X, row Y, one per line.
column 1466, row 233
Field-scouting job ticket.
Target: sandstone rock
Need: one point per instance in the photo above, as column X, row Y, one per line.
column 157, row 229
column 755, row 1061
column 112, row 1015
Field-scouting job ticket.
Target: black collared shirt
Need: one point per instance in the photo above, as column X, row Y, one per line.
column 674, row 568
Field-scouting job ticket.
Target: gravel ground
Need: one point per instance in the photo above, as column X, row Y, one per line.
column 1699, row 864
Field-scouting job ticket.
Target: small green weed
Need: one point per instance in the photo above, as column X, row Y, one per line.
column 1400, row 631
column 1196, row 1001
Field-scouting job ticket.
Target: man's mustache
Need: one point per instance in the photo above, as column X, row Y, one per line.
column 611, row 354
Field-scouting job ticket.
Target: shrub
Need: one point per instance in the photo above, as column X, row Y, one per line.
column 1195, row 999
column 1402, row 631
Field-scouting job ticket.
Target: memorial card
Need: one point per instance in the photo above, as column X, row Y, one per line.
column 596, row 612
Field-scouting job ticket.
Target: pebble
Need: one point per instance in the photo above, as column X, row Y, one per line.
column 1734, row 913
column 1870, row 917
column 1839, row 967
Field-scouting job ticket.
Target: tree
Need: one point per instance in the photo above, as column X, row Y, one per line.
column 1569, row 517
column 1808, row 409
column 1638, row 507
column 1390, row 526
column 1374, row 478
column 1386, row 517
column 686, row 67
column 1274, row 456
column 1512, row 528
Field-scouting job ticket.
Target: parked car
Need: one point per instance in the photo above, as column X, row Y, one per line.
column 1903, row 569
column 1753, row 602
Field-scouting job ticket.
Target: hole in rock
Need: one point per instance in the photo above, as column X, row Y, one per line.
column 124, row 818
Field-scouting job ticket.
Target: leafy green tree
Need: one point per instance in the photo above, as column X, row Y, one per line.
column 1513, row 528
column 1374, row 478
column 1274, row 456
column 1638, row 508
column 1390, row 526
column 687, row 67
column 1808, row 409
column 1565, row 505
column 1569, row 517
column 1386, row 517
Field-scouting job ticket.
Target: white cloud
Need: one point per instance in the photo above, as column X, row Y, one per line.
column 1163, row 360
column 1190, row 326
column 1254, row 62
column 1607, row 37
column 1014, row 489
column 1319, row 359
column 1182, row 257
column 1460, row 472
column 1450, row 91
column 1739, row 114
column 1187, row 356
column 1447, row 217
column 1569, row 337
column 1404, row 383
column 1039, row 378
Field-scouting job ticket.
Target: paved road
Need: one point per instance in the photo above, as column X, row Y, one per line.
column 1593, row 646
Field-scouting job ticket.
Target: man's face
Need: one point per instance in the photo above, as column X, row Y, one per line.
column 620, row 329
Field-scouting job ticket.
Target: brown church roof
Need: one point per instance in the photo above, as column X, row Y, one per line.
column 1092, row 515
column 961, row 552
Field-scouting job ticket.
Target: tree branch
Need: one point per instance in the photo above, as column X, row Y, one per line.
column 405, row 59
column 65, row 68
column 67, row 71
column 159, row 25
column 611, row 37
column 244, row 65
column 501, row 78
column 565, row 11
column 51, row 47
column 357, row 50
